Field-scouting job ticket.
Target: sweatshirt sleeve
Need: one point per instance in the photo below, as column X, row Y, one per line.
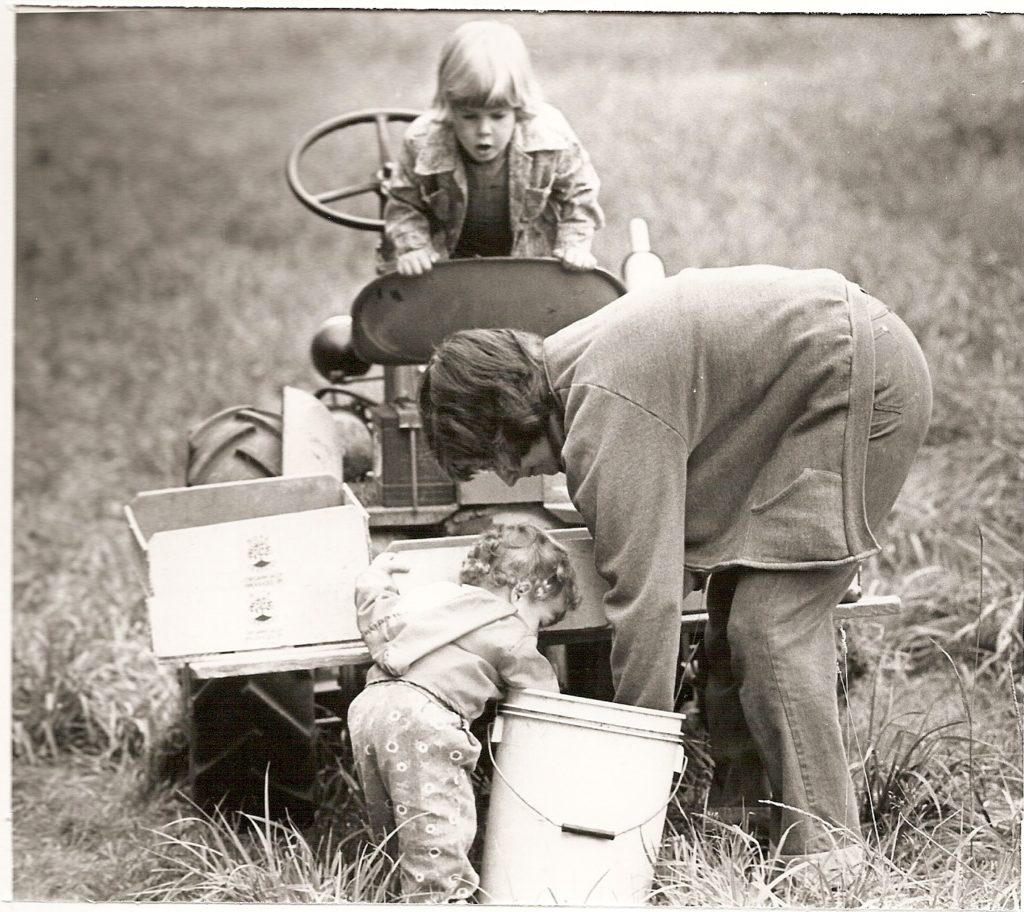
column 626, row 472
column 523, row 666
column 375, row 595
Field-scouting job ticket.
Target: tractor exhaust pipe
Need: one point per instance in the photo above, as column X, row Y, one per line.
column 642, row 266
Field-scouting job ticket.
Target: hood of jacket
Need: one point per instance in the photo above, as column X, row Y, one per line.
column 399, row 632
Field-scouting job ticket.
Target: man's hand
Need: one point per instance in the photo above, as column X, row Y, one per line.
column 416, row 262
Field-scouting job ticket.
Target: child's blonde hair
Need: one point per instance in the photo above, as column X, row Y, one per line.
column 484, row 64
column 509, row 554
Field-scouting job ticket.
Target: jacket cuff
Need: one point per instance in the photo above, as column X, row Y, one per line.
column 412, row 240
column 572, row 242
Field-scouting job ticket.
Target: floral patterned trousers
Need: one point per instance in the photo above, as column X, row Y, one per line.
column 414, row 758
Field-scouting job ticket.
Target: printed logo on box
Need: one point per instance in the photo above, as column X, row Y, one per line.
column 259, row 551
column 261, row 608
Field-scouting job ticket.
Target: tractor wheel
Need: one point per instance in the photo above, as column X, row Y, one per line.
column 237, row 444
column 242, row 443
column 355, row 443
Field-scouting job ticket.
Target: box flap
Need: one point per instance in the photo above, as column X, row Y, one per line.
column 487, row 488
column 203, row 505
column 137, row 550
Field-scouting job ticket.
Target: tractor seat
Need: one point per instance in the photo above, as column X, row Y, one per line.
column 399, row 320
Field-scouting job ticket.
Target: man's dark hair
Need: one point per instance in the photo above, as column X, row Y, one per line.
column 484, row 391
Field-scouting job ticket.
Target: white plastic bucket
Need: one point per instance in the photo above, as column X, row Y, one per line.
column 578, row 800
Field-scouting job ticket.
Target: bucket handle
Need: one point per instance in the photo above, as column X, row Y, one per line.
column 576, row 828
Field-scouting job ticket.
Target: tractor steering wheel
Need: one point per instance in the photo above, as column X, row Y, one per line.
column 318, row 202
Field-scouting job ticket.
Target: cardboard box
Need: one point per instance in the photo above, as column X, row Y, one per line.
column 249, row 565
column 245, row 571
column 486, row 488
column 440, row 559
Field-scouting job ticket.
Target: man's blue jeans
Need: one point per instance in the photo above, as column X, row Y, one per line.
column 770, row 649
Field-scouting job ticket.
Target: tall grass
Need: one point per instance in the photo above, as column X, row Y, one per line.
column 940, row 807
column 209, row 858
column 165, row 272
column 941, row 800
column 85, row 680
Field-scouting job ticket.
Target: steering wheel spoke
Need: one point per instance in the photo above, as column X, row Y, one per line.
column 332, row 196
column 384, row 141
column 380, row 119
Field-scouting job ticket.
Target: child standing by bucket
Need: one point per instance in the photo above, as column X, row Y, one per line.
column 440, row 653
column 490, row 170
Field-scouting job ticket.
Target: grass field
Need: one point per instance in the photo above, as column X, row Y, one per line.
column 164, row 271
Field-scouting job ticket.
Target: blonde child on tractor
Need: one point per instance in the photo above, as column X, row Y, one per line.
column 490, row 170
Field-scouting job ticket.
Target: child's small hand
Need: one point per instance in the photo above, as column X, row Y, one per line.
column 416, row 262
column 576, row 259
column 390, row 562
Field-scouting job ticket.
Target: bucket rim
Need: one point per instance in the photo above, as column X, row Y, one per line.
column 569, row 698
column 571, row 707
column 613, row 728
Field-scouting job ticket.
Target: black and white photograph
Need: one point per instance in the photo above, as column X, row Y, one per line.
column 524, row 457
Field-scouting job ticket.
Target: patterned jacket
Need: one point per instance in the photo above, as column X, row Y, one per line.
column 552, row 190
